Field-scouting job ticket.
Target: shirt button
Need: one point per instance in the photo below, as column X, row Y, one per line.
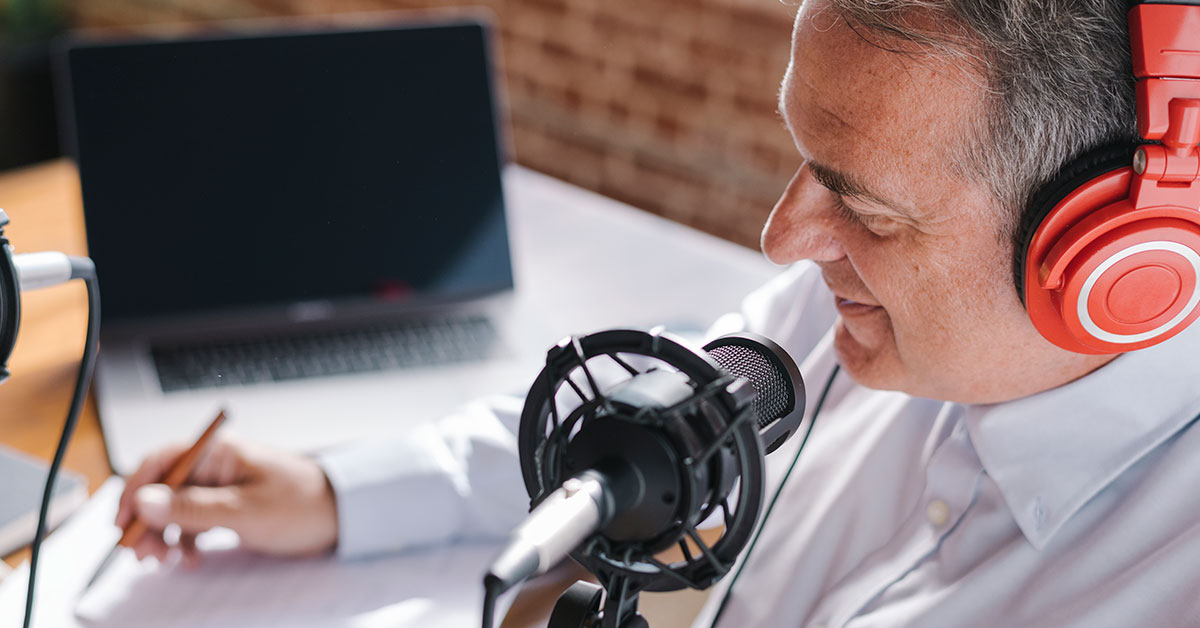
column 937, row 513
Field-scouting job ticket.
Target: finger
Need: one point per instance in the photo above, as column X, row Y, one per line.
column 141, row 549
column 209, row 463
column 193, row 508
column 151, row 544
column 189, row 556
column 151, row 469
column 231, row 468
column 219, row 464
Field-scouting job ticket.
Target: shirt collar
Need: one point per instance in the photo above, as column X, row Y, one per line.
column 1050, row 453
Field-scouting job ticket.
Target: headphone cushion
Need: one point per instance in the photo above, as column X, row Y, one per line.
column 1071, row 177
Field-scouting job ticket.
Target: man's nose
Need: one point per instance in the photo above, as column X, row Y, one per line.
column 802, row 225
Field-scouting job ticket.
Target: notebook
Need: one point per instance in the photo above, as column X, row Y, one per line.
column 21, row 495
column 437, row 587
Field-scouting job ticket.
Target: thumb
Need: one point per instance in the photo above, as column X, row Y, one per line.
column 192, row 508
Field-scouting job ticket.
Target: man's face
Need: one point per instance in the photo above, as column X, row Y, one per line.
column 918, row 258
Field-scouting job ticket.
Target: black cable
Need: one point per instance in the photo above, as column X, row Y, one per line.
column 775, row 497
column 491, row 591
column 80, row 269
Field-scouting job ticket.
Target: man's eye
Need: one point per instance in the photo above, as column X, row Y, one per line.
column 872, row 222
column 843, row 212
column 846, row 213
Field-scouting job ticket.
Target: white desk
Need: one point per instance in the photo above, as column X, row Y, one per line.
column 584, row 262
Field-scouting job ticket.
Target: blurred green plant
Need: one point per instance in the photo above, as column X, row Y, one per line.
column 25, row 21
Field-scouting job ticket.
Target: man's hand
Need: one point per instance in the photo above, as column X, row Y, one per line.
column 278, row 503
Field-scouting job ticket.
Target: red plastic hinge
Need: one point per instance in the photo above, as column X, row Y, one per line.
column 1169, row 175
column 1183, row 131
column 1154, row 98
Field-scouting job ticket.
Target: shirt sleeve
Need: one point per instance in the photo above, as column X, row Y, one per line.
column 459, row 478
column 456, row 479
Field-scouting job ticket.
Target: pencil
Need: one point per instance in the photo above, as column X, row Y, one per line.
column 175, row 477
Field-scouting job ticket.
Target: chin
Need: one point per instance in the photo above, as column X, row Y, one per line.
column 870, row 366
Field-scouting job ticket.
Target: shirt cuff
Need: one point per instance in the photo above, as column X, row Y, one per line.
column 394, row 494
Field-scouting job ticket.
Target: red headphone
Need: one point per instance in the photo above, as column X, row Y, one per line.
column 1108, row 256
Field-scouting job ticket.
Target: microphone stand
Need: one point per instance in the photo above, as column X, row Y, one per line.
column 580, row 606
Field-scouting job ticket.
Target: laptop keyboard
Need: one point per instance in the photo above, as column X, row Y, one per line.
column 408, row 344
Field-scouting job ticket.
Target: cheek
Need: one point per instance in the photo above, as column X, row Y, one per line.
column 936, row 293
column 954, row 302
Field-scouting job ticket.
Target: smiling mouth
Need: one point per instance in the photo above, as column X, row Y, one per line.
column 848, row 307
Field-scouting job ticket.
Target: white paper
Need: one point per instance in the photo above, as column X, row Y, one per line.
column 429, row 588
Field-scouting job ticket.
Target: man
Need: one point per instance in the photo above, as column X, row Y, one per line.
column 963, row 471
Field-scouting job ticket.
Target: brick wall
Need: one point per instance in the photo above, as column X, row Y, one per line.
column 666, row 104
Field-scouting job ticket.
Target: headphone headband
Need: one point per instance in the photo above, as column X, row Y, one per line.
column 1166, row 62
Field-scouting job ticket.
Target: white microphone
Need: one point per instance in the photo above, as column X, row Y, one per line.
column 49, row 268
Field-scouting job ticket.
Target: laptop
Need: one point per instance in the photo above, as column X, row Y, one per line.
column 306, row 228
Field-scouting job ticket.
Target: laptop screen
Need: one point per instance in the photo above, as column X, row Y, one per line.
column 289, row 168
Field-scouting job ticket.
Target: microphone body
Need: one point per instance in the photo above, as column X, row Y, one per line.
column 566, row 518
column 653, row 456
column 42, row 270
column 29, row 271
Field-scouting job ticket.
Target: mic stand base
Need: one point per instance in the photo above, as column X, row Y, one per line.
column 579, row 607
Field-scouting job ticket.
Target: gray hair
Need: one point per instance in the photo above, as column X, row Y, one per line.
column 1058, row 78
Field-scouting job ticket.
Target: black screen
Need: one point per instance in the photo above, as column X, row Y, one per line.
column 291, row 167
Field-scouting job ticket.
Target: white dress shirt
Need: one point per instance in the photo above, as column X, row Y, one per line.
column 1078, row 506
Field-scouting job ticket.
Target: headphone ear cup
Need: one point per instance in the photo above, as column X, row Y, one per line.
column 1099, row 275
column 1074, row 175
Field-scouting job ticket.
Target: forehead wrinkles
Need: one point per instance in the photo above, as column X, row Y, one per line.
column 868, row 110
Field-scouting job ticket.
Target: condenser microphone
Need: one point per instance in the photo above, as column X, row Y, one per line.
column 22, row 273
column 49, row 268
column 636, row 466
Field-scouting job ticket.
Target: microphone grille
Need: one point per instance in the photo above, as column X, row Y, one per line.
column 775, row 393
